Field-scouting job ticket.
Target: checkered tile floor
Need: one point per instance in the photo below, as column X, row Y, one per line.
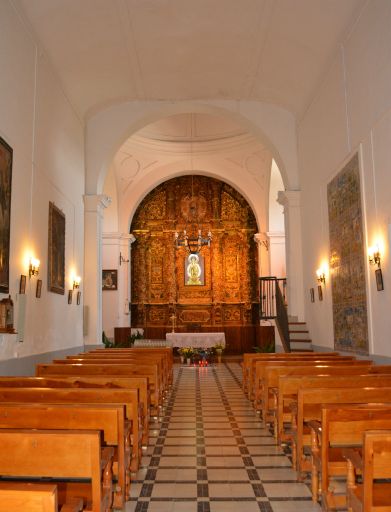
column 210, row 453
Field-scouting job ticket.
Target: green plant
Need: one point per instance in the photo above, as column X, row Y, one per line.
column 267, row 348
column 219, row 348
column 106, row 341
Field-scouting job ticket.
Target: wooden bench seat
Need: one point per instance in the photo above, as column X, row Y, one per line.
column 109, row 419
column 139, row 383
column 288, row 387
column 126, row 397
column 341, row 426
column 248, row 359
column 267, row 390
column 118, row 359
column 261, row 368
column 75, row 460
column 28, row 497
column 118, row 370
column 373, row 494
column 292, row 359
column 309, row 408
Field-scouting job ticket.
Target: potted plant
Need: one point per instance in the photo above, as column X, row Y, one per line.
column 187, row 352
column 219, row 349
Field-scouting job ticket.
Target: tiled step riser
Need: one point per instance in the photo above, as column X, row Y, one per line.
column 299, row 335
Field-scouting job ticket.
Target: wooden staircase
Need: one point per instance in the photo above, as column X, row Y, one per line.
column 299, row 336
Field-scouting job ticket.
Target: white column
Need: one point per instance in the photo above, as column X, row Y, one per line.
column 290, row 200
column 93, row 218
column 262, row 241
column 277, row 253
column 116, row 255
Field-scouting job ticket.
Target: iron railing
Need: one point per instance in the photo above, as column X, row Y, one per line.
column 273, row 305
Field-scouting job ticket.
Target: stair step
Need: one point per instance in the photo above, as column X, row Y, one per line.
column 301, row 340
column 301, row 350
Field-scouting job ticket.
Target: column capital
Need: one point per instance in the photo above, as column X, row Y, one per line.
column 96, row 202
column 276, row 234
column 289, row 198
column 262, row 239
column 116, row 235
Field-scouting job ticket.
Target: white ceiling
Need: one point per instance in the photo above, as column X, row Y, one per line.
column 108, row 51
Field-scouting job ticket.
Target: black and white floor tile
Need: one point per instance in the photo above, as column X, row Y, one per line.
column 210, row 453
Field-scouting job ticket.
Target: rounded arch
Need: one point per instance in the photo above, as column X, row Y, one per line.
column 108, row 129
column 225, row 174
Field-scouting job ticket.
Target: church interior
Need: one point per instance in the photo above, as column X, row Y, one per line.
column 195, row 247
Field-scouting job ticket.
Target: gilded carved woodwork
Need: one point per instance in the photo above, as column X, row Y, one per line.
column 229, row 292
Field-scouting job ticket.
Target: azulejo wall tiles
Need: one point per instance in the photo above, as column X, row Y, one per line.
column 347, row 262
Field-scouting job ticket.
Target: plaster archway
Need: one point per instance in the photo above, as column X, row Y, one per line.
column 108, row 129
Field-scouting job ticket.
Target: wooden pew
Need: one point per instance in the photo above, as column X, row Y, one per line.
column 167, row 353
column 87, row 381
column 118, row 359
column 109, row 419
column 341, row 426
column 309, row 407
column 28, row 497
column 251, row 367
column 64, row 455
column 127, row 397
column 374, row 464
column 262, row 366
column 288, row 387
column 118, row 370
column 248, row 358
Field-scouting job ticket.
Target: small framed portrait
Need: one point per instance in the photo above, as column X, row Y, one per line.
column 22, row 285
column 70, row 295
column 312, row 295
column 109, row 279
column 78, row 298
column 38, row 289
column 379, row 280
column 320, row 292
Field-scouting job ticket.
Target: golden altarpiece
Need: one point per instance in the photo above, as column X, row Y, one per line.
column 223, row 295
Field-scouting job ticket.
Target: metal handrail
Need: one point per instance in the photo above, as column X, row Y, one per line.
column 273, row 305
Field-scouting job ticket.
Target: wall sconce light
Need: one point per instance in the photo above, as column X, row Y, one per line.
column 76, row 282
column 374, row 256
column 122, row 259
column 321, row 276
column 34, row 267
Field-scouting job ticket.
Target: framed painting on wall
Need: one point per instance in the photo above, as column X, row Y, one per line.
column 5, row 213
column 56, row 246
column 379, row 280
column 109, row 279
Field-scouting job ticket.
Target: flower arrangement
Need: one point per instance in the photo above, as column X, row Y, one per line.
column 219, row 347
column 186, row 352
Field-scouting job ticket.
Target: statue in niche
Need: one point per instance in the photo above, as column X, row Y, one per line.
column 194, row 270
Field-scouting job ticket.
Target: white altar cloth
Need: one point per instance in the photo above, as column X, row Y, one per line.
column 196, row 339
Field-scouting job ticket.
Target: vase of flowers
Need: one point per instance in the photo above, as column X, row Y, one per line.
column 219, row 349
column 187, row 353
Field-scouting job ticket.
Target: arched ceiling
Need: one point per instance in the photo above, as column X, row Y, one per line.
column 108, row 51
column 194, row 142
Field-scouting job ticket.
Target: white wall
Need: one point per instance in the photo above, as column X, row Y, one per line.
column 47, row 138
column 351, row 111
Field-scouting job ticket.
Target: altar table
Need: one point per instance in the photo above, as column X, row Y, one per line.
column 196, row 339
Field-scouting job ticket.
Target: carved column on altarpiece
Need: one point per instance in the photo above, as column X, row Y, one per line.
column 216, row 269
column 140, row 277
column 290, row 200
column 94, row 206
column 170, row 277
column 246, row 281
column 262, row 241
